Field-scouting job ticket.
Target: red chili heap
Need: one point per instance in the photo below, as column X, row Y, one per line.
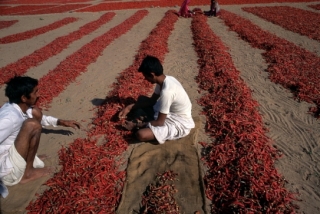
column 5, row 24
column 241, row 176
column 31, row 33
column 158, row 197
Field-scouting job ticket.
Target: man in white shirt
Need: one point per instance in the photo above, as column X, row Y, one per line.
column 20, row 130
column 171, row 104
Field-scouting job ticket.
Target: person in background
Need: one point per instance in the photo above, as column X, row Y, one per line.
column 214, row 9
column 20, row 130
column 184, row 9
column 170, row 104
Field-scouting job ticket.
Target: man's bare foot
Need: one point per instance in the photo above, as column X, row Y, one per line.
column 36, row 173
column 43, row 157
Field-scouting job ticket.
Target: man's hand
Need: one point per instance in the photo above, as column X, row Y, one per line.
column 125, row 111
column 69, row 123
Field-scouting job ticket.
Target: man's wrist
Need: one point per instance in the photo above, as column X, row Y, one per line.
column 59, row 122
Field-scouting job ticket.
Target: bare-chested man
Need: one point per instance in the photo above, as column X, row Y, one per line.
column 20, row 130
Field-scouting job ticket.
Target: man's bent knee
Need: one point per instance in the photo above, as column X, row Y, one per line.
column 31, row 124
column 145, row 135
column 139, row 136
column 36, row 113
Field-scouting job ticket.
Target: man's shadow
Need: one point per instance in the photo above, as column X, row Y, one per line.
column 97, row 101
column 60, row 131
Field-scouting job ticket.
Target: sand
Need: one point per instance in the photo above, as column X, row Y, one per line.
column 293, row 131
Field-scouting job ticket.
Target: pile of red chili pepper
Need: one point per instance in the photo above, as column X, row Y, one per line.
column 241, row 176
column 5, row 24
column 53, row 48
column 70, row 68
column 35, row 1
column 22, row 8
column 315, row 6
column 159, row 197
column 90, row 180
column 31, row 33
column 299, row 21
column 56, row 9
column 289, row 65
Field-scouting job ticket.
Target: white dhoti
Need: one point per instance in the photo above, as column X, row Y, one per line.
column 18, row 167
column 174, row 127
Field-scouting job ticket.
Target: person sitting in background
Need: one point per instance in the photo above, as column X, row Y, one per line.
column 184, row 9
column 20, row 130
column 214, row 9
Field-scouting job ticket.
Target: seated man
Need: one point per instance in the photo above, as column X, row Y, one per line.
column 171, row 104
column 184, row 9
column 20, row 130
column 214, row 9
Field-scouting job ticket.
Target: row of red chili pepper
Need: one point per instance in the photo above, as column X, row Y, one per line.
column 4, row 7
column 57, row 9
column 241, row 176
column 289, row 65
column 315, row 6
column 5, row 24
column 38, row 31
column 41, row 9
column 53, row 48
column 297, row 20
column 22, row 8
column 36, row 1
column 14, row 2
column 90, row 180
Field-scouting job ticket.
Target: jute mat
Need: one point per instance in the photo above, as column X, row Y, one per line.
column 148, row 159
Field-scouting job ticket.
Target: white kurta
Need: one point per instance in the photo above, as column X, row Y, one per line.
column 11, row 120
column 175, row 103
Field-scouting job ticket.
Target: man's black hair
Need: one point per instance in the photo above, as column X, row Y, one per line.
column 19, row 86
column 151, row 64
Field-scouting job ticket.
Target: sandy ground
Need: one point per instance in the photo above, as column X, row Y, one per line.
column 293, row 131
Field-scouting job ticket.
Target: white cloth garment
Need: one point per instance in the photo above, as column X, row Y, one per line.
column 18, row 166
column 175, row 127
column 217, row 7
column 173, row 98
column 11, row 120
column 175, row 103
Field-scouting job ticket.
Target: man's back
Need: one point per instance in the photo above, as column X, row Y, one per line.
column 173, row 98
